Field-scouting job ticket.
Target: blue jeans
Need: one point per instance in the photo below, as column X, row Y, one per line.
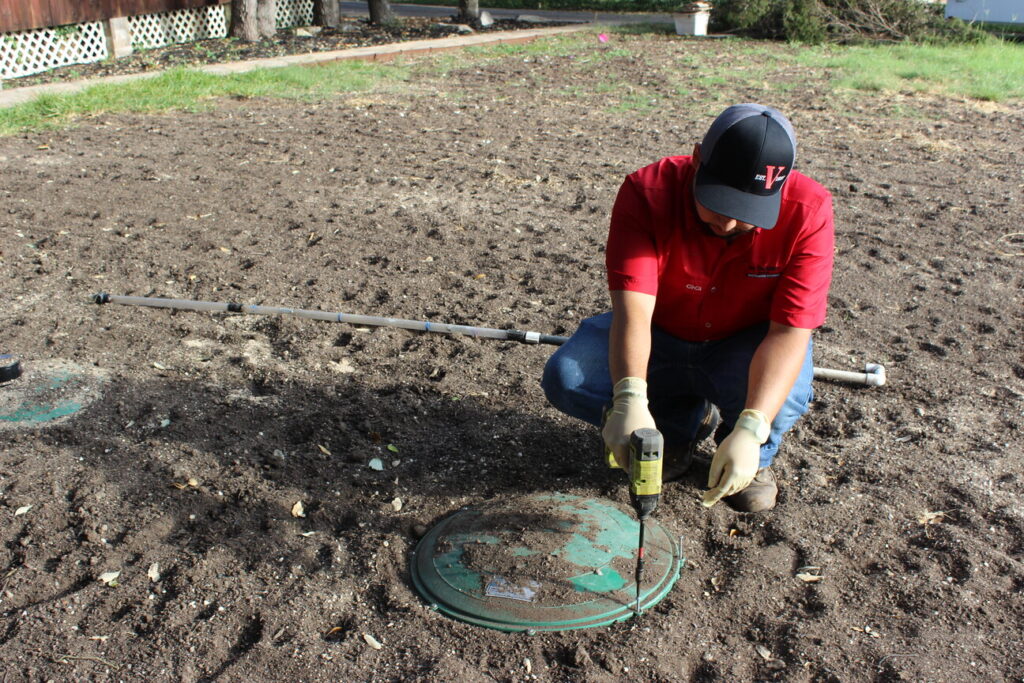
column 681, row 375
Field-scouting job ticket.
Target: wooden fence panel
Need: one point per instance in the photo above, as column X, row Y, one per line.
column 74, row 12
column 21, row 15
column 127, row 8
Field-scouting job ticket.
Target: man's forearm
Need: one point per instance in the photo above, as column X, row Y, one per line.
column 629, row 341
column 775, row 366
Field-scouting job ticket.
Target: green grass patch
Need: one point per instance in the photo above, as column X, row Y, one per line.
column 187, row 89
column 635, row 103
column 553, row 46
column 993, row 70
column 712, row 80
column 606, row 88
column 447, row 62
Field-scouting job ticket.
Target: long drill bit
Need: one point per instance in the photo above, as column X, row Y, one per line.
column 639, row 566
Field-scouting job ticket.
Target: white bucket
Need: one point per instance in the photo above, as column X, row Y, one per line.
column 692, row 23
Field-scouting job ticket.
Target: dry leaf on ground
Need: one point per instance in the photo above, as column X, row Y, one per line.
column 110, row 578
column 809, row 574
column 927, row 517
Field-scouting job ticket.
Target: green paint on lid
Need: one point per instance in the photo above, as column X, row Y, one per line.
column 547, row 562
column 38, row 405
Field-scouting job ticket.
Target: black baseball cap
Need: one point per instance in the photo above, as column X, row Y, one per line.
column 746, row 156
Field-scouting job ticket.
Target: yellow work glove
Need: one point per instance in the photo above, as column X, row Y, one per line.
column 628, row 413
column 737, row 457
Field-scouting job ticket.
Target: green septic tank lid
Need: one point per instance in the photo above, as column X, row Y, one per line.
column 545, row 562
column 47, row 391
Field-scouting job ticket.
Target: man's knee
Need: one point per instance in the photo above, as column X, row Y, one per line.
column 552, row 380
column 561, row 378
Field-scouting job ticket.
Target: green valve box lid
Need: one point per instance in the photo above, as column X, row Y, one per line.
column 545, row 562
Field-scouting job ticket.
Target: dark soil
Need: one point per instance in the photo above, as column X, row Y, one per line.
column 482, row 197
column 351, row 33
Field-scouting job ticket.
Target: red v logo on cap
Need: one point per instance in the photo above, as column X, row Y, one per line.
column 771, row 174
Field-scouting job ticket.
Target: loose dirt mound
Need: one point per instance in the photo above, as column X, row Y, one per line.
column 483, row 198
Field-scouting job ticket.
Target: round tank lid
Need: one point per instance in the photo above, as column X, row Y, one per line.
column 544, row 562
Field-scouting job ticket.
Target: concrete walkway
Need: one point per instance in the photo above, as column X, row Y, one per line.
column 11, row 97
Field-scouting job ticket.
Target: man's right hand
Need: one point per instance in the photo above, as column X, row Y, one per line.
column 628, row 413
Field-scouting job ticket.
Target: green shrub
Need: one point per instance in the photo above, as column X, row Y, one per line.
column 802, row 21
column 846, row 21
column 776, row 19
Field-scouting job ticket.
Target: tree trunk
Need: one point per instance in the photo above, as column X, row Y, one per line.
column 469, row 11
column 243, row 21
column 326, row 13
column 380, row 13
column 266, row 18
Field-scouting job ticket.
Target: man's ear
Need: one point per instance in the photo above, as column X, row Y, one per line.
column 696, row 154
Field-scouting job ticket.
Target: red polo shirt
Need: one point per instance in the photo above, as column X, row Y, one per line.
column 708, row 287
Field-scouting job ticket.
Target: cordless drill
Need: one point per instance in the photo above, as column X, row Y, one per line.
column 645, row 463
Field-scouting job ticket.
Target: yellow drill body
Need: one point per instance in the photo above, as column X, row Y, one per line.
column 645, row 463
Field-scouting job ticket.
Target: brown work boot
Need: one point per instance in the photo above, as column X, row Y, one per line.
column 759, row 496
column 678, row 460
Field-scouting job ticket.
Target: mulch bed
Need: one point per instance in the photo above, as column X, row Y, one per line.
column 352, row 32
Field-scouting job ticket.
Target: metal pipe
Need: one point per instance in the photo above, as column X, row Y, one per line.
column 350, row 318
column 873, row 375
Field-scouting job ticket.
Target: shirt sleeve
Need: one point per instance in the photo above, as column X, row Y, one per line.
column 631, row 255
column 801, row 298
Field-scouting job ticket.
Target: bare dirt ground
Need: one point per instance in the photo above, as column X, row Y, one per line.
column 482, row 197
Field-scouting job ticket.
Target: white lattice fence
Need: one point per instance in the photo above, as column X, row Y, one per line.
column 29, row 52
column 23, row 53
column 180, row 26
column 294, row 13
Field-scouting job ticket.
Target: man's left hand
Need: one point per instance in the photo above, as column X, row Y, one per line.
column 736, row 460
